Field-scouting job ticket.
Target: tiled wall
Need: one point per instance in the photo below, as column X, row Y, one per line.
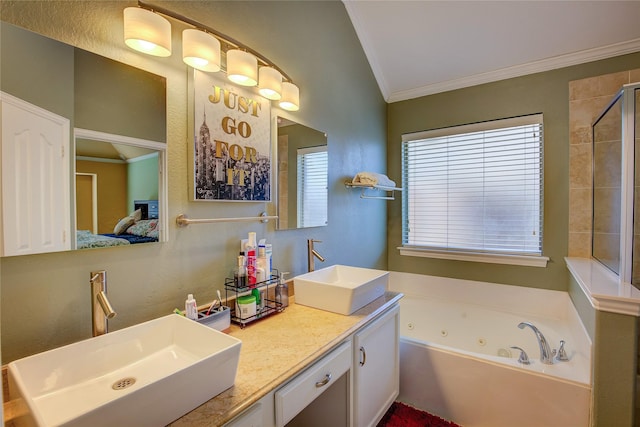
column 587, row 98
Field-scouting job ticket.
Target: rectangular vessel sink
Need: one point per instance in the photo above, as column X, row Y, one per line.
column 145, row 375
column 340, row 288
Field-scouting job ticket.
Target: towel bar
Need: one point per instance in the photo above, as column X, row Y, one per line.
column 182, row 220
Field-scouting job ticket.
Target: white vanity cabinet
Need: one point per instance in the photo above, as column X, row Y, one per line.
column 351, row 385
column 322, row 381
column 376, row 380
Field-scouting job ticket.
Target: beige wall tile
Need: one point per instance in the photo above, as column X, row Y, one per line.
column 580, row 166
column 592, row 87
column 634, row 76
column 579, row 245
column 580, row 210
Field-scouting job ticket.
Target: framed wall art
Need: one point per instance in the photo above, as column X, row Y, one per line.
column 232, row 141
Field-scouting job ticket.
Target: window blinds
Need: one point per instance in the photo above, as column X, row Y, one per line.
column 475, row 188
column 312, row 186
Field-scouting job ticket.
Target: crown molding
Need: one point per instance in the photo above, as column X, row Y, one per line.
column 549, row 64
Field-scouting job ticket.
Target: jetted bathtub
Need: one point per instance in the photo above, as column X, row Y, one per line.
column 456, row 359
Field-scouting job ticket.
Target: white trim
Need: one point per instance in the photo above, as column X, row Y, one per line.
column 118, row 139
column 549, row 64
column 603, row 288
column 100, row 160
column 490, row 258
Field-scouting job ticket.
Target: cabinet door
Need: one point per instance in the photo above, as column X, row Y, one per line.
column 35, row 179
column 376, row 369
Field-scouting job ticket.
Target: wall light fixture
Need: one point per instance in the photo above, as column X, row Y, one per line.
column 146, row 31
column 201, row 50
column 242, row 67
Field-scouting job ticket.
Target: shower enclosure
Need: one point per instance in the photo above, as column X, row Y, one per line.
column 616, row 185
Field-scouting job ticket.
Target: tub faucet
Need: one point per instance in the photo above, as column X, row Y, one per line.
column 101, row 309
column 546, row 355
column 312, row 254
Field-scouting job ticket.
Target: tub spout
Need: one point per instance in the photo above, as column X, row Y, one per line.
column 546, row 355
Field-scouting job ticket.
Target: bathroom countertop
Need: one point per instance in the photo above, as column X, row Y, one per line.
column 276, row 349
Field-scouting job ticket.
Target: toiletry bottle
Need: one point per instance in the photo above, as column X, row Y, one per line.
column 282, row 290
column 269, row 254
column 240, row 273
column 256, row 294
column 262, row 262
column 250, row 251
column 191, row 308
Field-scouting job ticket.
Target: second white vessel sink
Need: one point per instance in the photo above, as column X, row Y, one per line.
column 340, row 289
column 145, row 375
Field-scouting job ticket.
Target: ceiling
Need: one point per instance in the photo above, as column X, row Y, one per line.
column 418, row 48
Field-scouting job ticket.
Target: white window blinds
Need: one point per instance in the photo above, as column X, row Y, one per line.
column 312, row 186
column 475, row 188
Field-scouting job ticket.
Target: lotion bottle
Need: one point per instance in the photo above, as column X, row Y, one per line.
column 262, row 262
column 250, row 251
column 191, row 308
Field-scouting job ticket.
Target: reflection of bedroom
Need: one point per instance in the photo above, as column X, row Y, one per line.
column 116, row 194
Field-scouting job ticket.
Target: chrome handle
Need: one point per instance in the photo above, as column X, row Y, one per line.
column 324, row 382
column 363, row 360
column 523, row 359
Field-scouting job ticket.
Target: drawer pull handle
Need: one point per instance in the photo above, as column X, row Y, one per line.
column 324, row 382
column 364, row 356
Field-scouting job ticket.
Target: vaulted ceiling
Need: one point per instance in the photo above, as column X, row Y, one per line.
column 418, row 48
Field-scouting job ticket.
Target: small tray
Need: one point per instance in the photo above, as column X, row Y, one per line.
column 220, row 320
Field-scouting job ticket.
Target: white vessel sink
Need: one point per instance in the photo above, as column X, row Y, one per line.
column 145, row 375
column 340, row 288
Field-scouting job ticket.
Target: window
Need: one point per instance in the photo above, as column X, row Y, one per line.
column 475, row 189
column 312, row 186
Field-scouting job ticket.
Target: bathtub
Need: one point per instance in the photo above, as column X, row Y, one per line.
column 456, row 361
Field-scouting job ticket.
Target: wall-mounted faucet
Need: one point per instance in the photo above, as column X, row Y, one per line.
column 546, row 355
column 312, row 254
column 101, row 309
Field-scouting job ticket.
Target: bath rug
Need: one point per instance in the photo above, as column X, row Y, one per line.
column 401, row 415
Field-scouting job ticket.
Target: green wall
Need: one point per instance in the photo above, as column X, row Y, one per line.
column 546, row 93
column 139, row 186
column 312, row 41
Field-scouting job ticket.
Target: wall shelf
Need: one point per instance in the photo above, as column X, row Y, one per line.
column 375, row 188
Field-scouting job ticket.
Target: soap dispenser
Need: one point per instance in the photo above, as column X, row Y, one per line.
column 282, row 291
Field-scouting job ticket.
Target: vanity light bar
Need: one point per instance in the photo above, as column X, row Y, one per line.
column 203, row 52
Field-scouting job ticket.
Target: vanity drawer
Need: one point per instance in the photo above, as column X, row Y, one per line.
column 307, row 386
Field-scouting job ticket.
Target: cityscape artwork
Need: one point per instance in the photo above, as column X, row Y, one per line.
column 232, row 141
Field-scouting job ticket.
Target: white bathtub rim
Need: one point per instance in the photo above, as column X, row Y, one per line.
column 547, row 303
column 502, row 362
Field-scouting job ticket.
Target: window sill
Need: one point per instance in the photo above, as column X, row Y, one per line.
column 603, row 288
column 524, row 260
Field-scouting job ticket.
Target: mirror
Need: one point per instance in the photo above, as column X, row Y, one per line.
column 105, row 165
column 117, row 115
column 302, row 176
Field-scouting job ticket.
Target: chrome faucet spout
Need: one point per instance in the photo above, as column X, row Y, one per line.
column 101, row 309
column 546, row 355
column 312, row 254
